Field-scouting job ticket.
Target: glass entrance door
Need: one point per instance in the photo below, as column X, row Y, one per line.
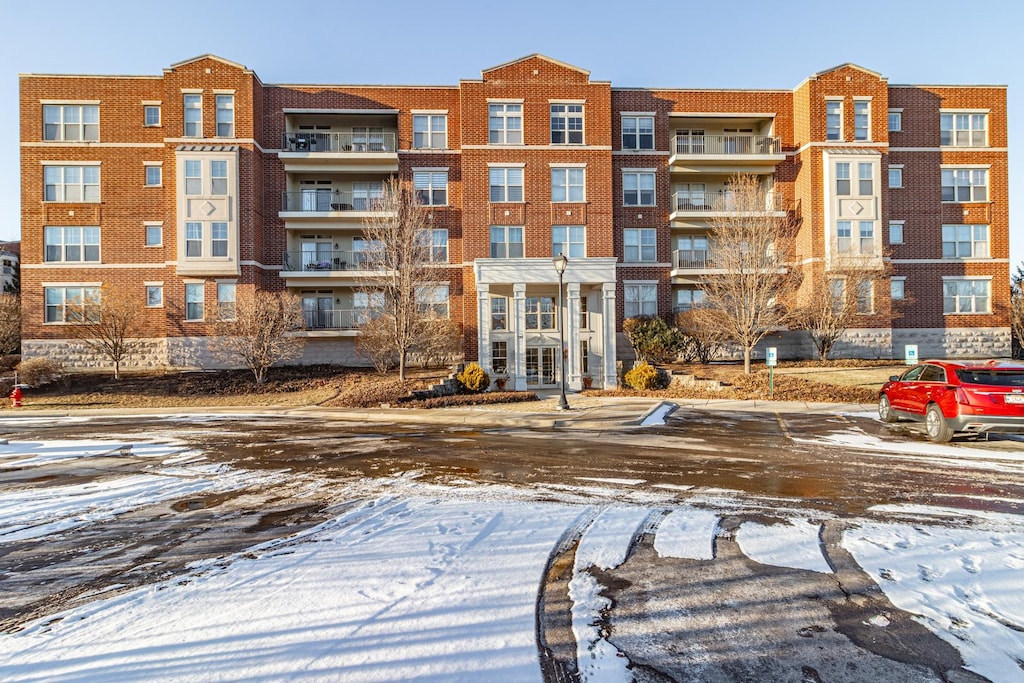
column 541, row 366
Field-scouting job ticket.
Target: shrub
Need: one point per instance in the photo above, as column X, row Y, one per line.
column 652, row 339
column 37, row 371
column 474, row 378
column 644, row 377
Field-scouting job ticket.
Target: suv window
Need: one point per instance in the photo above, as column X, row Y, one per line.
column 913, row 374
column 933, row 373
column 995, row 378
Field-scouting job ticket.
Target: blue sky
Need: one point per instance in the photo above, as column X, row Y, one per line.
column 724, row 44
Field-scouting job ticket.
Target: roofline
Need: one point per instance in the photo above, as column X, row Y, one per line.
column 35, row 75
column 660, row 89
column 208, row 55
column 357, row 85
column 947, row 85
column 539, row 56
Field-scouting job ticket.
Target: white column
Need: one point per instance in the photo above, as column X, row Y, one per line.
column 518, row 326
column 483, row 325
column 572, row 335
column 610, row 379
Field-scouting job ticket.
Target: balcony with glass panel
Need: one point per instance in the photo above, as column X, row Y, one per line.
column 319, row 140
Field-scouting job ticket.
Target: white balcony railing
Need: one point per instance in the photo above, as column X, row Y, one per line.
column 720, row 145
column 701, row 201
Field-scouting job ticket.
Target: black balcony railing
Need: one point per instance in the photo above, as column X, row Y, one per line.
column 339, row 142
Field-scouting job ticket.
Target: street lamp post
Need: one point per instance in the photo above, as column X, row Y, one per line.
column 560, row 264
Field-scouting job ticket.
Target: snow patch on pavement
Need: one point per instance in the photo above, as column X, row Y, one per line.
column 794, row 544
column 687, row 533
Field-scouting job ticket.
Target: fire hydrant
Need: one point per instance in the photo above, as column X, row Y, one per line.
column 16, row 397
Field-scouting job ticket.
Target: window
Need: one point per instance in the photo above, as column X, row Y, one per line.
column 218, row 177
column 637, row 132
column 837, row 290
column 154, row 176
column 895, row 232
column 505, row 124
column 506, row 242
column 506, row 184
column 154, row 296
column 499, row 357
column 151, row 115
column 693, row 252
column 895, row 120
column 965, row 241
column 226, row 300
column 366, row 306
column 833, row 120
column 194, row 240
column 895, row 176
column 194, row 301
column 963, row 295
column 566, row 124
column 499, row 313
column 963, row 130
column 897, row 289
column 865, row 183
column 567, row 184
column 570, row 240
column 431, row 187
column 584, row 315
column 154, row 235
column 865, row 297
column 193, row 116
column 433, row 299
column 540, row 313
column 867, row 237
column 640, row 299
column 439, row 245
column 225, row 116
column 688, row 299
column 964, row 185
column 71, row 122
column 844, row 236
column 842, row 178
column 72, row 244
column 71, row 183
column 70, row 304
column 639, row 244
column 861, row 120
column 366, row 196
column 429, row 131
column 193, row 176
column 218, row 239
column 585, row 356
column 637, row 188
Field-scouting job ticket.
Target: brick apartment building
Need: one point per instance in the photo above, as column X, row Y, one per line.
column 185, row 186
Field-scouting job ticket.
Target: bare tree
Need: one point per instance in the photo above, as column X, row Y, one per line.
column 255, row 330
column 702, row 334
column 1017, row 309
column 438, row 341
column 751, row 243
column 10, row 323
column 401, row 269
column 109, row 323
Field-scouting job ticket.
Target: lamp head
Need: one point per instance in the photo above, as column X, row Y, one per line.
column 560, row 263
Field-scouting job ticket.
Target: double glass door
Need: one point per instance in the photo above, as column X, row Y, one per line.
column 541, row 366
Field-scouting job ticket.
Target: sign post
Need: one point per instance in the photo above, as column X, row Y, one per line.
column 910, row 354
column 771, row 359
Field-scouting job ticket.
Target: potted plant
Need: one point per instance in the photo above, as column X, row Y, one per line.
column 500, row 381
column 588, row 381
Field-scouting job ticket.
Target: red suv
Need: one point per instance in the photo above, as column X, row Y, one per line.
column 949, row 397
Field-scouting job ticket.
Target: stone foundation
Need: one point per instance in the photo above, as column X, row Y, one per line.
column 973, row 342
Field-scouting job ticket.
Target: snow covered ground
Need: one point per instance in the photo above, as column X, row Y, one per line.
column 444, row 588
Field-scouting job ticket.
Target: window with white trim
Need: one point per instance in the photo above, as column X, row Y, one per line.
column 218, row 177
column 71, row 184
column 367, row 196
column 895, row 120
column 570, row 240
column 844, row 236
column 540, row 313
column 439, row 245
column 433, row 299
column 218, row 238
column 225, row 116
column 688, row 298
column 966, row 295
column 504, row 123
column 154, row 235
column 226, row 300
column 567, row 184
column 499, row 357
column 867, row 237
column 566, row 124
column 193, row 104
column 861, row 120
column 895, row 176
column 638, row 188
column 637, row 132
column 154, row 296
column 896, row 232
column 194, row 300
column 964, row 185
column 151, row 115
column 431, row 187
column 898, row 288
column 842, row 178
column 70, row 304
column 506, row 184
column 584, row 313
column 965, row 241
column 640, row 300
column 693, row 252
column 71, row 244
column 71, row 122
column 499, row 313
column 154, row 176
column 833, row 120
column 506, row 241
column 865, row 179
column 194, row 239
column 865, row 297
column 837, row 292
column 430, row 131
column 639, row 245
column 193, row 176
column 963, row 129
column 366, row 306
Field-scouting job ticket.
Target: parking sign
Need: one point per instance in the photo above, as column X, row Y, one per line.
column 910, row 354
column 771, row 356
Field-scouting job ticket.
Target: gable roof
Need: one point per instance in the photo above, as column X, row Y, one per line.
column 208, row 55
column 537, row 55
column 849, row 65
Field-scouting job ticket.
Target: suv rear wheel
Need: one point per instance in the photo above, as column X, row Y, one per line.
column 935, row 425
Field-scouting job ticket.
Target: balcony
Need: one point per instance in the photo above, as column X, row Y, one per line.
column 692, row 261
column 702, row 204
column 352, row 152
column 324, row 263
column 337, row 319
column 725, row 153
column 327, row 209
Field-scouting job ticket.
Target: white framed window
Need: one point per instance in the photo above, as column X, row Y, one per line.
column 898, row 288
column 193, row 176
column 71, row 122
column 639, row 245
column 70, row 304
column 833, row 119
column 895, row 176
column 366, row 306
column 640, row 299
column 218, row 177
column 865, row 297
column 638, row 188
column 218, row 238
column 226, row 300
column 225, row 116
column 431, row 187
column 865, row 179
column 867, row 236
column 499, row 357
column 966, row 295
column 154, row 296
column 837, row 292
column 154, row 235
column 506, row 184
column 193, row 104
column 151, row 115
column 499, row 314
column 504, row 123
column 433, row 298
column 896, row 232
column 861, row 120
column 540, row 313
column 965, row 241
column 964, row 185
column 693, row 252
column 506, row 241
column 637, row 132
column 895, row 120
column 71, row 184
column 154, row 176
column 568, row 184
column 430, row 131
column 966, row 129
column 584, row 314
column 844, row 236
column 194, row 239
column 842, row 177
column 439, row 245
column 570, row 240
column 71, row 244
column 195, row 293
column 366, row 196
column 566, row 124
column 689, row 298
